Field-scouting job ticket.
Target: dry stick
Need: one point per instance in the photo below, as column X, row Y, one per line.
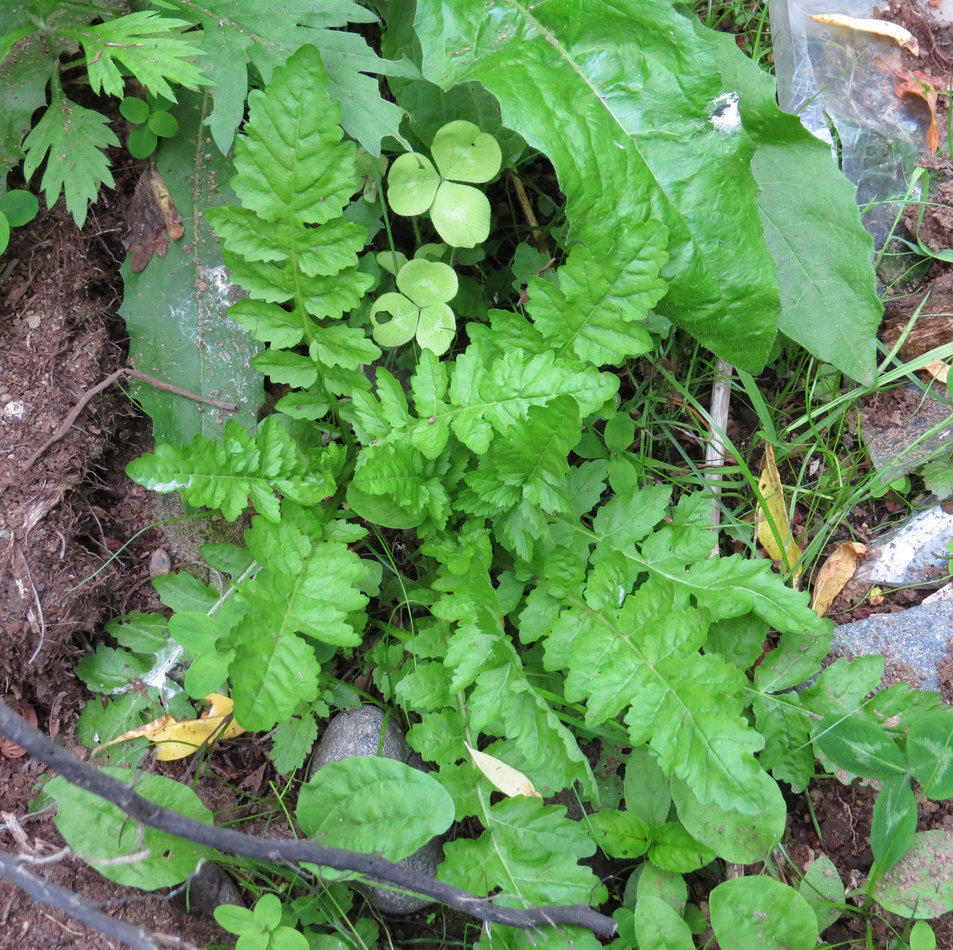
column 717, row 447
column 52, row 895
column 524, row 203
column 233, row 842
column 108, row 381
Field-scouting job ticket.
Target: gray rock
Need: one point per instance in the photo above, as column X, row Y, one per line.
column 917, row 552
column 209, row 887
column 917, row 637
column 361, row 732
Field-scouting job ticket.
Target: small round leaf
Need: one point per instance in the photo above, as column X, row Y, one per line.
column 391, row 261
column 402, row 327
column 164, row 124
column 142, row 141
column 19, row 207
column 4, row 232
column 134, row 109
column 268, row 911
column 411, row 184
column 236, row 920
column 464, row 153
column 436, row 328
column 427, row 282
column 461, row 214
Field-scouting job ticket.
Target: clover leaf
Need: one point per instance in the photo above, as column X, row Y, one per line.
column 420, row 310
column 151, row 121
column 460, row 213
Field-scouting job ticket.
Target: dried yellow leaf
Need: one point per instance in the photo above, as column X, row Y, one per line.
column 835, row 572
column 772, row 528
column 511, row 782
column 938, row 370
column 898, row 34
column 180, row 739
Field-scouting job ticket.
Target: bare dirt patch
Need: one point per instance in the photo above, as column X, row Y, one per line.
column 62, row 521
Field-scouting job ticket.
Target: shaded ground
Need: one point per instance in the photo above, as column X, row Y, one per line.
column 60, row 522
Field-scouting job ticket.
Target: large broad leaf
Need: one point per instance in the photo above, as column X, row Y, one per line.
column 175, row 310
column 811, row 222
column 531, row 851
column 374, row 805
column 621, row 98
column 239, row 33
column 101, row 832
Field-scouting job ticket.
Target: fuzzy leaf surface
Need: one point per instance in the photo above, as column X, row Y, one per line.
column 100, row 830
column 374, row 805
column 176, row 309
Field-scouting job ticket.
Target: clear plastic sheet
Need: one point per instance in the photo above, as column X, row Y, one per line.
column 840, row 78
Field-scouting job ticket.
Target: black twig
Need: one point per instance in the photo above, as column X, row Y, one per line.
column 265, row 849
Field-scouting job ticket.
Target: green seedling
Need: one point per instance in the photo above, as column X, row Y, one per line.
column 459, row 212
column 420, row 309
column 17, row 207
column 261, row 927
column 152, row 121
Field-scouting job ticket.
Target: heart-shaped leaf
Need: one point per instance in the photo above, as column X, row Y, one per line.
column 464, row 153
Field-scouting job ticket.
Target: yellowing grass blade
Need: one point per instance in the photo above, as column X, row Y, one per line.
column 180, row 739
column 772, row 528
column 880, row 27
column 835, row 572
column 509, row 781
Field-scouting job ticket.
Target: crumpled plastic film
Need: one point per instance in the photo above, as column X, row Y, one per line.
column 832, row 76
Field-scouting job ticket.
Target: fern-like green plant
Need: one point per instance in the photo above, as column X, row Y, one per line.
column 289, row 245
column 520, row 596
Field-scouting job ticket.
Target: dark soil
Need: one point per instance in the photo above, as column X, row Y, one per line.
column 62, row 522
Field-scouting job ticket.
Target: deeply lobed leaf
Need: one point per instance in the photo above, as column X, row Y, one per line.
column 243, row 468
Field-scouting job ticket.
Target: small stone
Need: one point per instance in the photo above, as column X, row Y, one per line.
column 362, row 732
column 160, row 563
column 17, row 409
column 210, row 887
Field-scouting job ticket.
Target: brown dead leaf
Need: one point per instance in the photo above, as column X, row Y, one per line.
column 509, row 781
column 835, row 572
column 152, row 219
column 938, row 370
column 176, row 740
column 772, row 528
column 880, row 27
column 8, row 749
column 922, row 86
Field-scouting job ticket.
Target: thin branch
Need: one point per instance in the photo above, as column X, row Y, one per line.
column 233, row 842
column 716, row 448
column 52, row 895
column 84, row 400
